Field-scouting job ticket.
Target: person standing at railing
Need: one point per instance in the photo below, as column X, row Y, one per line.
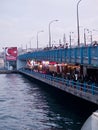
column 76, row 75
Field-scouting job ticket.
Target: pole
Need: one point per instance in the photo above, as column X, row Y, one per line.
column 70, row 39
column 50, row 31
column 91, row 37
column 37, row 40
column 37, row 37
column 85, row 30
column 64, row 39
column 49, row 36
column 84, row 37
column 78, row 22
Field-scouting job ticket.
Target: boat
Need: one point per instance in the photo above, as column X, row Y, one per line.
column 92, row 122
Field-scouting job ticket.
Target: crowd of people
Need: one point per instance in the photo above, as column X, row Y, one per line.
column 57, row 47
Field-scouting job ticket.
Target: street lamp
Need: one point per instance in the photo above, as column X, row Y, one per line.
column 78, row 23
column 64, row 39
column 70, row 38
column 50, row 31
column 37, row 36
column 91, row 37
column 85, row 29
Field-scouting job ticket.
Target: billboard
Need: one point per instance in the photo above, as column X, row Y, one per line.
column 11, row 53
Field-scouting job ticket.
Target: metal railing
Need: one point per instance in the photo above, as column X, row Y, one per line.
column 82, row 55
column 84, row 87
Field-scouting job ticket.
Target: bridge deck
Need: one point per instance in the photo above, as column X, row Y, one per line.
column 80, row 55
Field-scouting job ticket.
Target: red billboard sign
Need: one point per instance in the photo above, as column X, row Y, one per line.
column 11, row 53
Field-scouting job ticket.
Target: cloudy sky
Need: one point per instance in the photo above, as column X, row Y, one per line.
column 20, row 20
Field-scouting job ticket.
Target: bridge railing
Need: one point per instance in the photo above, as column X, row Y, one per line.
column 83, row 55
column 85, row 87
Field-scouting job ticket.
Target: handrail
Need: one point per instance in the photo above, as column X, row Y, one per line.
column 83, row 55
column 85, row 87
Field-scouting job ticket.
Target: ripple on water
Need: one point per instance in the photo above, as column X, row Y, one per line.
column 27, row 106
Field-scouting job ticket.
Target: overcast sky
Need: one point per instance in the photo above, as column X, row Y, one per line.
column 20, row 20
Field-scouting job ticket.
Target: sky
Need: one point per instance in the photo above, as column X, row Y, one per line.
column 21, row 20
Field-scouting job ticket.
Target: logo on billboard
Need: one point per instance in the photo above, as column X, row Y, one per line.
column 11, row 53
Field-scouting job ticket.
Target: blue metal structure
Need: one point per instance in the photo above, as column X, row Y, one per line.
column 81, row 55
column 86, row 56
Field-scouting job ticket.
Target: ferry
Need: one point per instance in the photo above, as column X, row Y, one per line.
column 92, row 122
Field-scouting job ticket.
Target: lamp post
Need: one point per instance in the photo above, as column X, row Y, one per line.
column 50, row 31
column 78, row 22
column 37, row 37
column 70, row 38
column 85, row 29
column 64, row 39
column 91, row 37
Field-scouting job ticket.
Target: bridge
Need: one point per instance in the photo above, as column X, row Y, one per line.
column 85, row 57
column 82, row 55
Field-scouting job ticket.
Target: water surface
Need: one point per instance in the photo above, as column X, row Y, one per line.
column 26, row 105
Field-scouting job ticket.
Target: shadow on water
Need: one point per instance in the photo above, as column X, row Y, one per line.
column 71, row 105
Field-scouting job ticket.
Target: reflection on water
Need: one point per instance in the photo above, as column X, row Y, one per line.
column 25, row 105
